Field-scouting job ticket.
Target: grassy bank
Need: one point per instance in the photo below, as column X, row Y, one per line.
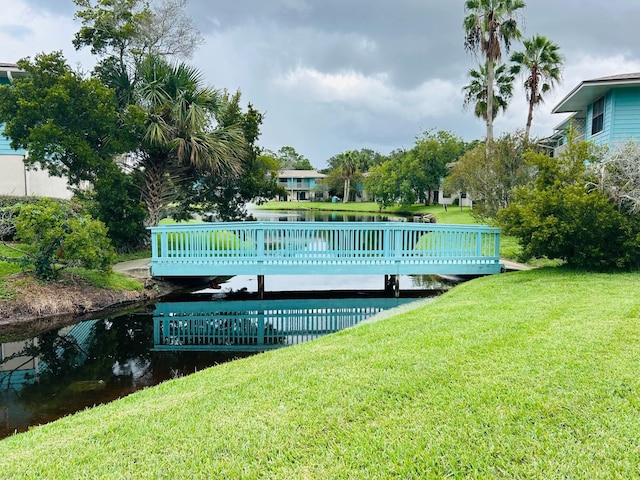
column 523, row 375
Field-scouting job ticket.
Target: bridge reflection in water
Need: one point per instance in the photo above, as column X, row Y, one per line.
column 257, row 325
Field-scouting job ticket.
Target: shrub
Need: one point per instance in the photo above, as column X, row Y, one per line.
column 57, row 237
column 115, row 200
column 561, row 217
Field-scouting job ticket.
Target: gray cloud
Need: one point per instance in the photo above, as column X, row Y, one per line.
column 333, row 75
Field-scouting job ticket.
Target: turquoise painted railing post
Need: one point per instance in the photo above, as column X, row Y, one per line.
column 397, row 243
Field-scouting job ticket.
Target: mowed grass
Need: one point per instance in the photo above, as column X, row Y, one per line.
column 522, row 375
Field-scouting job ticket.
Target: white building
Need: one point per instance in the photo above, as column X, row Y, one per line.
column 15, row 178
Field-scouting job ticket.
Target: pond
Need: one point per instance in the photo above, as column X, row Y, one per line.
column 323, row 216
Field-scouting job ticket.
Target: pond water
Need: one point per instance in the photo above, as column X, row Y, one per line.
column 323, row 216
column 65, row 370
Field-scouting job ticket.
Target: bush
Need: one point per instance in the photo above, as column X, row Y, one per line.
column 10, row 208
column 57, row 237
column 115, row 200
column 561, row 217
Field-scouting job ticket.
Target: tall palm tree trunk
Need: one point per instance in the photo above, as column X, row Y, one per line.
column 527, row 128
column 155, row 190
column 347, row 187
column 490, row 80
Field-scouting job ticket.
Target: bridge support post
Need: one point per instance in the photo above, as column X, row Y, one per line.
column 392, row 282
column 261, row 287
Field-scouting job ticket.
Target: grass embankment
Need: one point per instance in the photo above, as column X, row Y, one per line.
column 523, row 375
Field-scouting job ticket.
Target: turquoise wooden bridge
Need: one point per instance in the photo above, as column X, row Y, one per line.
column 323, row 248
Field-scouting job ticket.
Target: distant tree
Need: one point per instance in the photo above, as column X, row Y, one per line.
column 432, row 153
column 364, row 159
column 291, row 160
column 541, row 65
column 490, row 25
column 475, row 92
column 347, row 167
column 382, row 183
column 491, row 179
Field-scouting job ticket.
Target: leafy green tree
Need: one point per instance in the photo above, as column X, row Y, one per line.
column 70, row 125
column 560, row 216
column 57, row 237
column 541, row 64
column 490, row 179
column 382, row 183
column 115, row 201
column 489, row 26
column 475, row 92
column 432, row 153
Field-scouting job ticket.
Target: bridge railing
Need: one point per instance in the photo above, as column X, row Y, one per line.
column 305, row 247
column 247, row 325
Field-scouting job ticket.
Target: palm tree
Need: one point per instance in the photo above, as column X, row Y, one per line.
column 489, row 25
column 179, row 133
column 347, row 163
column 541, row 63
column 475, row 93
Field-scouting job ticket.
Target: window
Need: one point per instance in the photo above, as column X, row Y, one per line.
column 597, row 121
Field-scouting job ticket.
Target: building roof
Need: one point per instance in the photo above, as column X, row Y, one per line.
column 11, row 71
column 300, row 174
column 589, row 91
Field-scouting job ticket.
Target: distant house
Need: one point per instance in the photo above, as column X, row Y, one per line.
column 604, row 110
column 16, row 179
column 301, row 185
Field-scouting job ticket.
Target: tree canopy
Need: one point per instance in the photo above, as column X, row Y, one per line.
column 69, row 124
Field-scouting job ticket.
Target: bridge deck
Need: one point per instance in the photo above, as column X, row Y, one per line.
column 331, row 248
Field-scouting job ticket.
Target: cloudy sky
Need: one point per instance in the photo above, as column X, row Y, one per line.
column 334, row 75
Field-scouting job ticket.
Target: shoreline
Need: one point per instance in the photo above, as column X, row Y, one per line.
column 41, row 306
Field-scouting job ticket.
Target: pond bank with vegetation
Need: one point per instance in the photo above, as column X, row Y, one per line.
column 521, row 375
column 28, row 304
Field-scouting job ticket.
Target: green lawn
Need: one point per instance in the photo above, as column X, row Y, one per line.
column 522, row 375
